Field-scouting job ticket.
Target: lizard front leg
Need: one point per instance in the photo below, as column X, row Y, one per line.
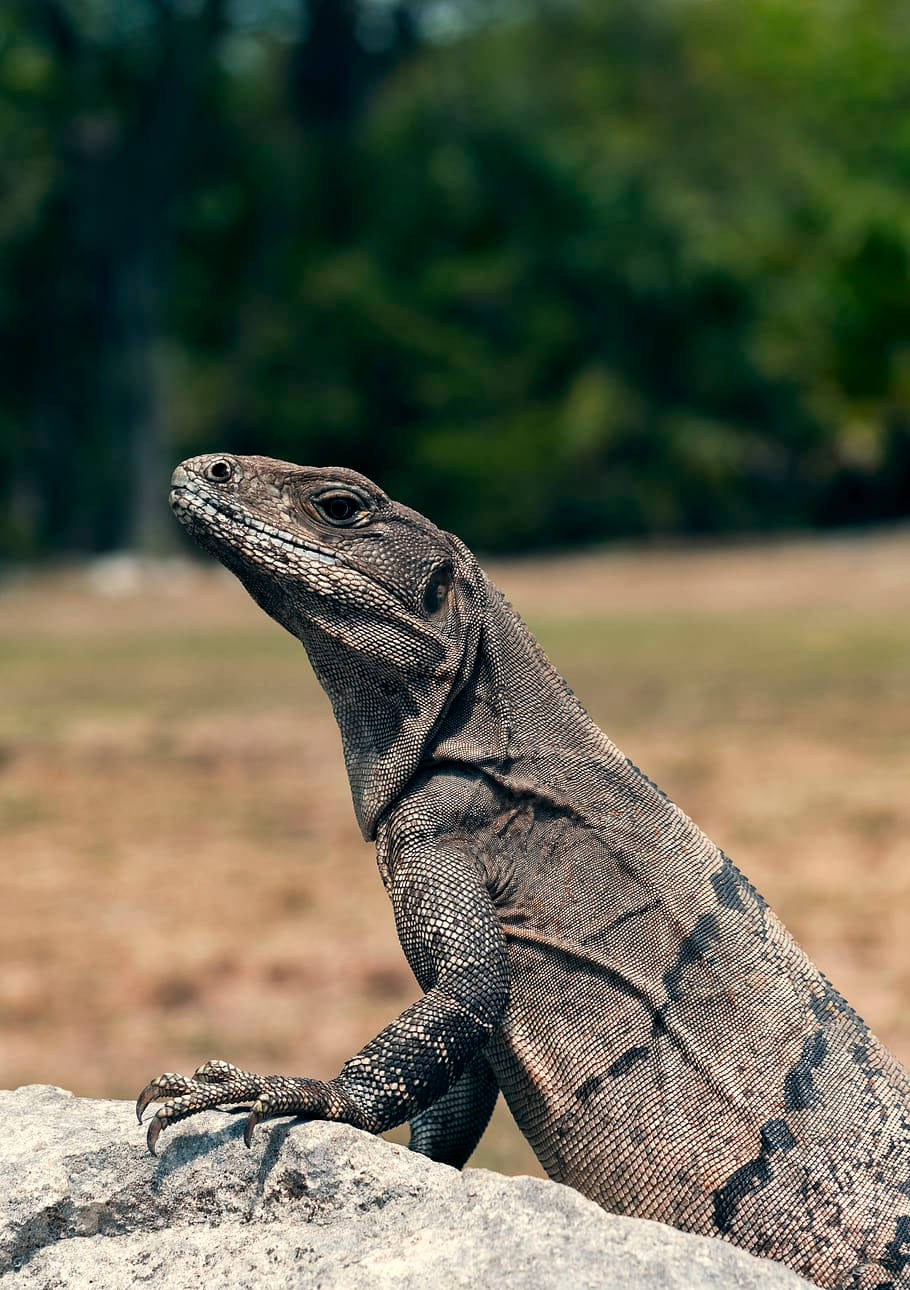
column 450, row 1129
column 453, row 939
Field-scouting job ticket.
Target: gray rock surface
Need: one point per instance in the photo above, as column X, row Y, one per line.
column 311, row 1205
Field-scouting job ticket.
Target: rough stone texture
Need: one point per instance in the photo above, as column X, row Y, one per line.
column 311, row 1205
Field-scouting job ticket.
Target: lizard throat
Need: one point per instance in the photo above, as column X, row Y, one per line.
column 192, row 509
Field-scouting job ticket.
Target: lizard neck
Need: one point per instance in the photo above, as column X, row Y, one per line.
column 518, row 723
column 385, row 717
column 516, row 715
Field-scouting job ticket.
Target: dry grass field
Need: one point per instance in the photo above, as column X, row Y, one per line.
column 182, row 877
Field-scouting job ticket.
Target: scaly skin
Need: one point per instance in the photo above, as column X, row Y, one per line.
column 661, row 1040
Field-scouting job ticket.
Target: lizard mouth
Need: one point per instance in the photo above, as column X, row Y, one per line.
column 198, row 511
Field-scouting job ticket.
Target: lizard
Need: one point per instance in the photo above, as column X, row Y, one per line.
column 661, row 1040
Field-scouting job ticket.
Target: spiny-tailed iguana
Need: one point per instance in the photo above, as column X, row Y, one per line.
column 663, row 1043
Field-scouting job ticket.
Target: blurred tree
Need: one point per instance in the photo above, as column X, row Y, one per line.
column 116, row 92
column 554, row 271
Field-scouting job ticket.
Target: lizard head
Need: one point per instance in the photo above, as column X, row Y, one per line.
column 382, row 600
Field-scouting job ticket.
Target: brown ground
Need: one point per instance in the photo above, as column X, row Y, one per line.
column 183, row 878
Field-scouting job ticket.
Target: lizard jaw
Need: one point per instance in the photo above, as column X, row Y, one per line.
column 193, row 508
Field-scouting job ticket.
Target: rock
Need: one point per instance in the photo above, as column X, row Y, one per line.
column 311, row 1205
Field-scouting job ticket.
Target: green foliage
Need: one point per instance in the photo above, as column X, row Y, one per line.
column 580, row 269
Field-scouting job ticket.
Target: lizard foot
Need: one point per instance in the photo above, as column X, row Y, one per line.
column 216, row 1083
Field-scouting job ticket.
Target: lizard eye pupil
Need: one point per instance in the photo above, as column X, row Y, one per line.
column 339, row 508
column 437, row 591
column 220, row 471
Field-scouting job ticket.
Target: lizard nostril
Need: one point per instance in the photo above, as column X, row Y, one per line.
column 219, row 471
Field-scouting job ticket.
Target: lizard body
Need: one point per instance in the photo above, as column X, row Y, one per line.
column 661, row 1040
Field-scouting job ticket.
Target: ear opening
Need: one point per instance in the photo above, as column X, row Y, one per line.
column 438, row 590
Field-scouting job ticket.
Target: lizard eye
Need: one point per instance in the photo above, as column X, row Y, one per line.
column 340, row 507
column 220, row 470
column 436, row 592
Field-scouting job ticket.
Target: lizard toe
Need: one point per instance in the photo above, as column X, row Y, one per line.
column 217, row 1072
column 163, row 1086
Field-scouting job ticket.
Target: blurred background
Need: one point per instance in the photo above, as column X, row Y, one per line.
column 618, row 291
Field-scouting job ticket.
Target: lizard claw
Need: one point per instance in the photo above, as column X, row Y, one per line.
column 148, row 1094
column 257, row 1111
column 151, row 1137
column 142, row 1102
